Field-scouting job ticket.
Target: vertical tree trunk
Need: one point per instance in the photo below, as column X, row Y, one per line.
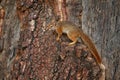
column 29, row 51
column 9, row 37
column 101, row 20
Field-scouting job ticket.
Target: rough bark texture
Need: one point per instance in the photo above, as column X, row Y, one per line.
column 101, row 20
column 9, row 38
column 30, row 52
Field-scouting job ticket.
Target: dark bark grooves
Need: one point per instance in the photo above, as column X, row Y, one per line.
column 30, row 52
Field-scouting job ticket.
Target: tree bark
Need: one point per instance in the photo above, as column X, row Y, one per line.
column 29, row 51
column 101, row 21
column 9, row 37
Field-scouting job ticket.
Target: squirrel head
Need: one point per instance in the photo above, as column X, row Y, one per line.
column 53, row 24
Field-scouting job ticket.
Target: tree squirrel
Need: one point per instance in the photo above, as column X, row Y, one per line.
column 73, row 33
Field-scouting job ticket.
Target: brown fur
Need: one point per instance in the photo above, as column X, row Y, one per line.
column 73, row 33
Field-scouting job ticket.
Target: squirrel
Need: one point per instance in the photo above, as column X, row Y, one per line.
column 73, row 33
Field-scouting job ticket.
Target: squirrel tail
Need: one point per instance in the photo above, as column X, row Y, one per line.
column 91, row 47
column 94, row 52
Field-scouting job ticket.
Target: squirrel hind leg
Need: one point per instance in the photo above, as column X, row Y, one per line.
column 72, row 42
column 74, row 38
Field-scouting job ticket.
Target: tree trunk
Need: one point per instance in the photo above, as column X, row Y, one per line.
column 101, row 20
column 28, row 50
column 9, row 37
